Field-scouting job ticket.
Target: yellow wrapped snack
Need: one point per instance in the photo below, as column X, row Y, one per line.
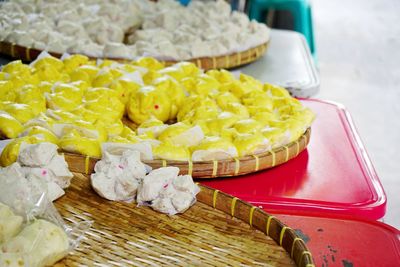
column 223, row 121
column 48, row 60
column 214, row 148
column 114, row 128
column 182, row 134
column 222, row 76
column 9, row 126
column 42, row 242
column 149, row 63
column 169, row 151
column 61, row 101
column 237, row 109
column 188, row 68
column 7, row 91
column 45, row 134
column 95, row 131
column 224, row 98
column 74, row 61
column 68, row 91
column 10, row 152
column 248, row 144
column 17, row 68
column 10, row 224
column 74, row 142
column 173, row 72
column 174, row 91
column 21, row 112
column 152, row 125
column 248, row 126
column 147, row 102
column 196, row 108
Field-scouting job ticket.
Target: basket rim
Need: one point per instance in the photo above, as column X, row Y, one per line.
column 287, row 237
column 228, row 61
column 212, row 168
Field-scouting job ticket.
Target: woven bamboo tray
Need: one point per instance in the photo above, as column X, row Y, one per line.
column 220, row 62
column 219, row 230
column 210, row 169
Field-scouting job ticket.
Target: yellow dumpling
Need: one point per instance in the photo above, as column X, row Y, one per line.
column 124, row 89
column 169, row 151
column 41, row 120
column 50, row 73
column 222, row 76
column 48, row 60
column 149, row 63
column 248, row 144
column 205, row 84
column 224, row 98
column 236, row 88
column 174, row 72
column 237, row 109
column 21, row 112
column 95, row 131
column 62, row 101
column 46, row 134
column 174, row 91
column 16, row 67
column 258, row 99
column 87, row 114
column 248, row 126
column 74, row 61
column 274, row 90
column 7, row 91
column 250, row 83
column 74, row 142
column 10, row 152
column 276, row 136
column 188, row 68
column 153, row 125
column 214, row 148
column 9, row 126
column 264, row 117
column 147, row 102
column 103, row 79
column 224, row 120
column 62, row 116
column 196, row 108
column 114, row 128
column 84, row 73
column 68, row 91
column 182, row 134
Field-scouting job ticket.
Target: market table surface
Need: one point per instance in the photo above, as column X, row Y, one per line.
column 288, row 62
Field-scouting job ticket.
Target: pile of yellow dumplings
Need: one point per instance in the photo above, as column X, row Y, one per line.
column 180, row 111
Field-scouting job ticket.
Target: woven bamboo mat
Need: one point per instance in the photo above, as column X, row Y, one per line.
column 211, row 169
column 217, row 231
column 219, row 62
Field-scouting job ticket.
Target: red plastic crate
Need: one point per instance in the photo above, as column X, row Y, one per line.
column 333, row 176
column 344, row 242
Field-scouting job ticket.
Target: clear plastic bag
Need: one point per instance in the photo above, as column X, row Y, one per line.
column 42, row 238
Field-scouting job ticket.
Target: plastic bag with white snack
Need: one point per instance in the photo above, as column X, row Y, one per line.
column 32, row 232
column 165, row 191
column 41, row 162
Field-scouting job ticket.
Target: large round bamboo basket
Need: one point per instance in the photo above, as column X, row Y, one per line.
column 219, row 62
column 219, row 230
column 211, row 169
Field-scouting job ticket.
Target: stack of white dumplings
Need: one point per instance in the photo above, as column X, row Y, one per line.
column 130, row 28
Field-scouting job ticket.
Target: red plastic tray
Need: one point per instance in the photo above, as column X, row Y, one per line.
column 347, row 243
column 333, row 176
